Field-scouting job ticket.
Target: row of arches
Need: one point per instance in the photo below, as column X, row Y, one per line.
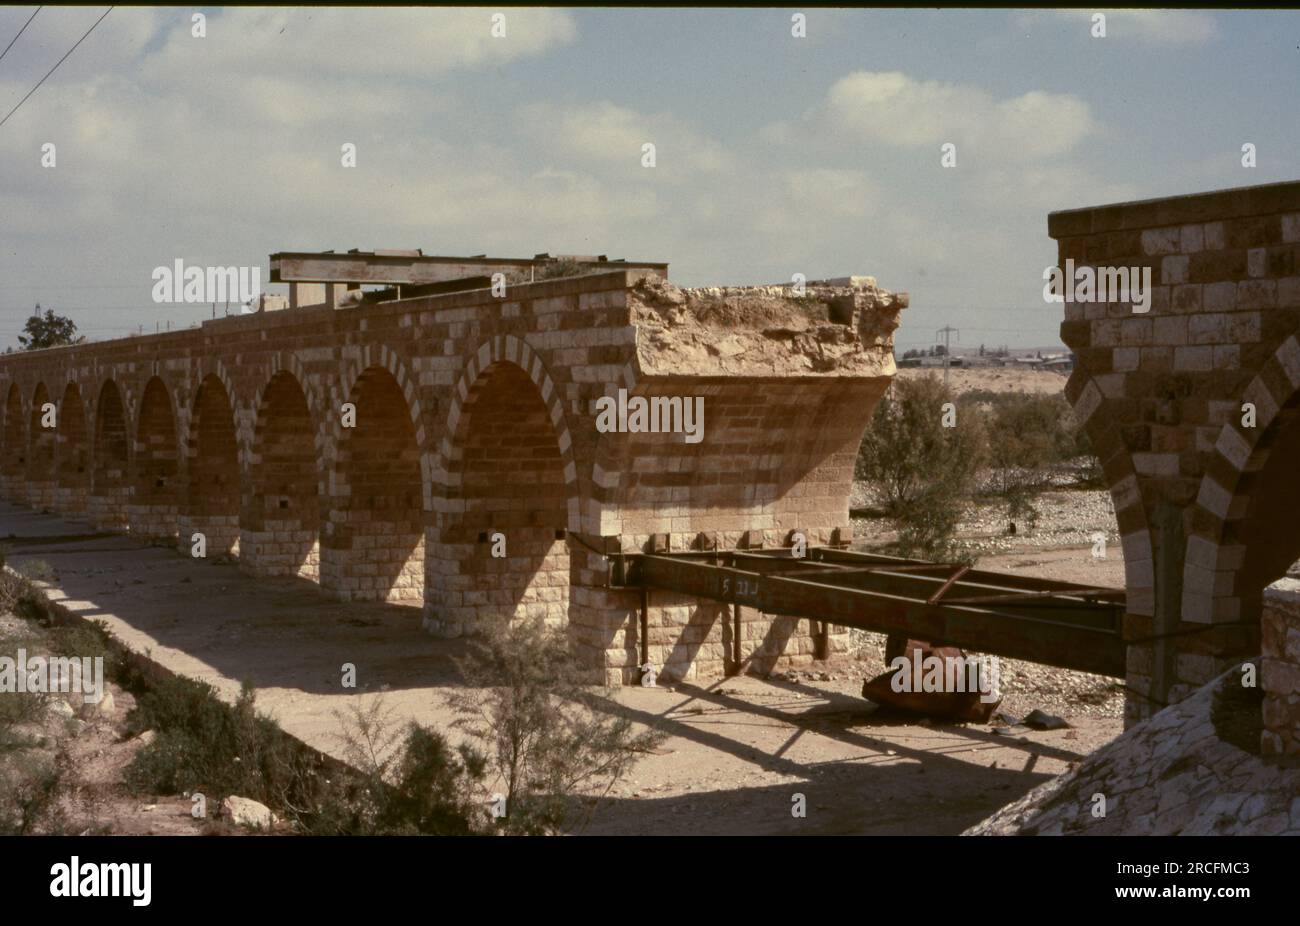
column 349, row 507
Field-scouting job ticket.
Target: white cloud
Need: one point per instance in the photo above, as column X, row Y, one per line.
column 385, row 41
column 896, row 109
column 613, row 135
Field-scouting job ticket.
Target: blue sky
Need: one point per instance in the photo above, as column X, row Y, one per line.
column 775, row 154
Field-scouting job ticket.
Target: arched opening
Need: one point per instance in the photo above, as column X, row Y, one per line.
column 155, row 494
column 281, row 508
column 377, row 539
column 42, row 426
column 14, row 468
column 1271, row 543
column 501, row 553
column 212, row 487
column 1257, row 545
column 110, row 487
column 72, row 493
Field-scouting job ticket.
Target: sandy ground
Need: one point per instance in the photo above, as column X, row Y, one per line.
column 737, row 751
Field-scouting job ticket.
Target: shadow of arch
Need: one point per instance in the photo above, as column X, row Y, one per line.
column 13, row 470
column 211, row 498
column 280, row 520
column 110, row 484
column 499, row 551
column 42, row 430
column 1239, row 544
column 155, row 488
column 374, row 547
column 72, row 491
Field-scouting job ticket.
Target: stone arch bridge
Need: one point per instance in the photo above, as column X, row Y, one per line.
column 473, row 413
column 476, row 413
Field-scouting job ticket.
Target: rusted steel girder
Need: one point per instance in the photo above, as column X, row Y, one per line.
column 1019, row 617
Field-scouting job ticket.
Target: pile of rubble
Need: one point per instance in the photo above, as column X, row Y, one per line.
column 838, row 327
column 1194, row 768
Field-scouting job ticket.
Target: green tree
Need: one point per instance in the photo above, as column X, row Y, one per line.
column 48, row 330
column 923, row 469
column 1027, row 435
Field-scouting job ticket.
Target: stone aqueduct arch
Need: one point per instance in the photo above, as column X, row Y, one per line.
column 1194, row 408
column 482, row 410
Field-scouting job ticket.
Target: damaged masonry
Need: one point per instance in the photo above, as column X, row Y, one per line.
column 235, row 430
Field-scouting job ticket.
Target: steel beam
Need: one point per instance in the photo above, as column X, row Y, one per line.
column 892, row 595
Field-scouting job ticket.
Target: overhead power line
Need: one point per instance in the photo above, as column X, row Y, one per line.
column 56, row 66
column 20, row 33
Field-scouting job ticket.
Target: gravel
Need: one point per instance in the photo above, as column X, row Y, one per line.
column 1067, row 518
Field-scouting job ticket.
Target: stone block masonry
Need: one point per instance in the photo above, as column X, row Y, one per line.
column 379, row 448
column 1192, row 409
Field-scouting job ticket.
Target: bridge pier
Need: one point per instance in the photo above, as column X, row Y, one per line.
column 1193, row 408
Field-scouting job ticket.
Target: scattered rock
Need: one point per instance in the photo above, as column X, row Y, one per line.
column 243, row 811
column 60, row 708
column 102, row 707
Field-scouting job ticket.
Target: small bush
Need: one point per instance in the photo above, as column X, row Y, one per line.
column 1028, row 434
column 549, row 737
column 30, row 777
column 17, row 595
column 411, row 781
column 553, row 270
column 202, row 744
column 38, row 570
column 30, row 784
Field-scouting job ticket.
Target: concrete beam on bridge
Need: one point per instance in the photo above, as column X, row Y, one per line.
column 413, row 267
